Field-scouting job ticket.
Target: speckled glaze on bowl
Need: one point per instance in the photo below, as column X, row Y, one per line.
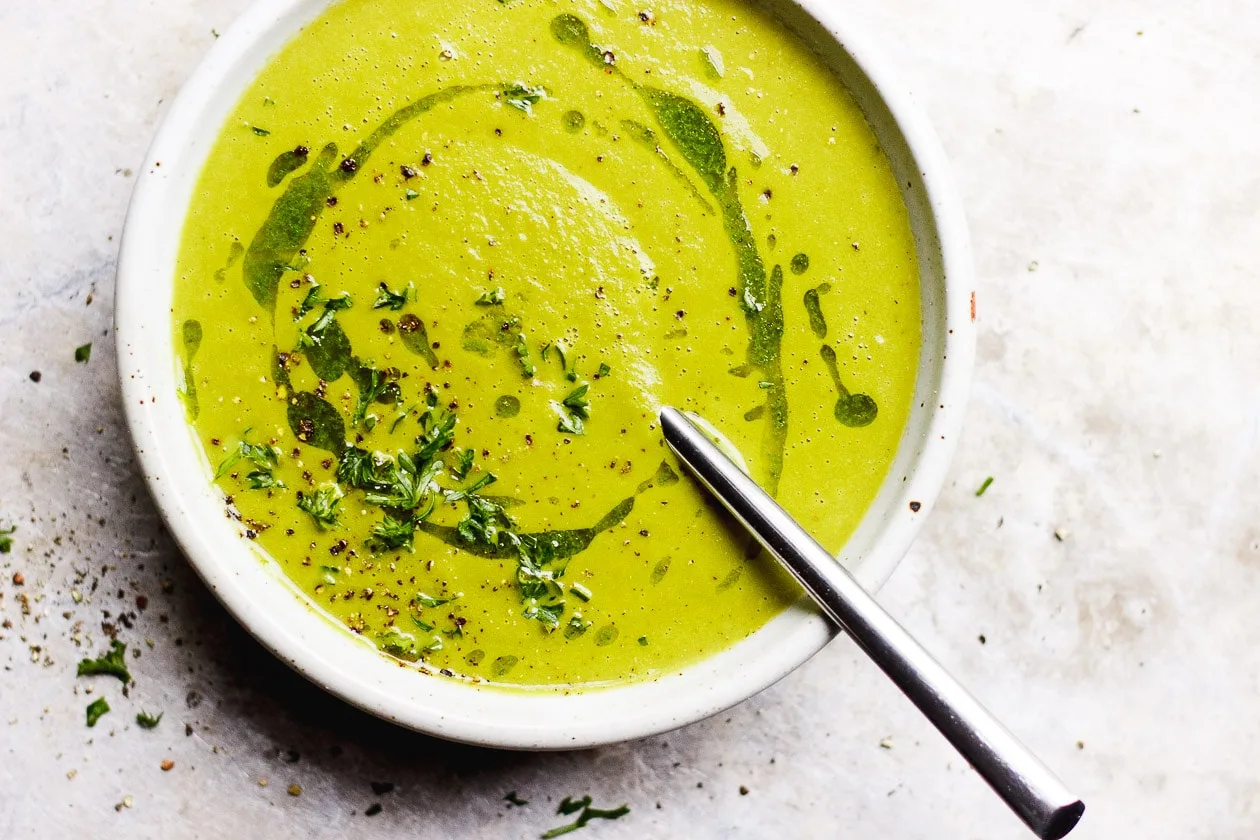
column 261, row 597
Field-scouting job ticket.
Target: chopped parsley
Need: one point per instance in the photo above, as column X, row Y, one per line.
column 494, row 297
column 261, row 132
column 331, row 308
column 6, row 539
column 528, row 368
column 569, row 807
column 356, row 468
column 484, row 521
column 984, row 486
column 96, row 709
column 264, row 458
column 113, row 663
column 429, row 601
column 604, row 370
column 321, row 504
column 391, row 534
column 147, row 721
column 573, row 410
column 394, row 301
column 315, row 297
column 374, row 386
column 404, row 485
column 523, row 97
column 463, row 463
column 513, row 799
column 83, row 352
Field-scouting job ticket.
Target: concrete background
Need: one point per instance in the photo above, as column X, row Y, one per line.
column 1108, row 160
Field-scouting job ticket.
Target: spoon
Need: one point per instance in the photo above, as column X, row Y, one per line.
column 854, row 410
column 1031, row 790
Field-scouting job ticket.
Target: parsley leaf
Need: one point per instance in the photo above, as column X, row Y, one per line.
column 573, row 410
column 321, row 504
column 357, row 468
column 113, row 663
column 462, row 464
column 984, row 486
column 494, row 297
column 604, row 370
column 95, row 709
column 429, row 601
column 6, row 539
column 404, row 485
column 484, row 522
column 513, row 799
column 264, row 458
column 391, row 534
column 528, row 368
column 147, row 721
column 83, row 353
column 438, row 432
column 524, row 97
column 394, row 301
column 374, row 386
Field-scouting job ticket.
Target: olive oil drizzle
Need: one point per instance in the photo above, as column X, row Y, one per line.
column 698, row 140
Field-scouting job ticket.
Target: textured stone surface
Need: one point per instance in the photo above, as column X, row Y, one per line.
column 1108, row 162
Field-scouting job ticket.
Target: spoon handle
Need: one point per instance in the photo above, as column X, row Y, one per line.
column 1031, row 790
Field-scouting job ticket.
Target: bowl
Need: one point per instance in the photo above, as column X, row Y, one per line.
column 257, row 592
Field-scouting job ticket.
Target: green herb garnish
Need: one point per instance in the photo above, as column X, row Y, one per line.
column 6, row 539
column 569, row 806
column 394, row 301
column 573, row 410
column 113, row 663
column 261, row 132
column 391, row 534
column 528, row 368
column 404, row 485
column 95, row 709
column 374, row 386
column 147, row 721
column 429, row 601
column 513, row 799
column 463, row 463
column 984, row 486
column 356, row 468
column 604, row 370
column 523, row 97
column 264, row 458
column 83, row 353
column 494, row 297
column 411, row 195
column 321, row 504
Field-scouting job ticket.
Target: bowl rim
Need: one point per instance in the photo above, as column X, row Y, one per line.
column 271, row 608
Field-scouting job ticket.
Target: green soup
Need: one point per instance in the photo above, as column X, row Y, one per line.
column 447, row 260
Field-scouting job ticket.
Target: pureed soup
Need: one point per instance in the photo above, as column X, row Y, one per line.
column 447, row 260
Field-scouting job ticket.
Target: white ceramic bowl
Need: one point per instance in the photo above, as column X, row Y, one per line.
column 257, row 592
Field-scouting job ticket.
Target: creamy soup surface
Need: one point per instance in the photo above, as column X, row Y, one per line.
column 446, row 261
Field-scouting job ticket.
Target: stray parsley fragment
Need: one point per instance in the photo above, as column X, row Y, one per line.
column 394, row 301
column 113, row 663
column 6, row 539
column 494, row 297
column 984, row 486
column 524, row 97
column 570, row 806
column 573, row 411
column 263, row 457
column 512, row 799
column 96, row 709
column 147, row 721
column 321, row 504
column 83, row 353
column 315, row 297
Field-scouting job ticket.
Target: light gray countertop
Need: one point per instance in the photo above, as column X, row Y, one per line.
column 1102, row 596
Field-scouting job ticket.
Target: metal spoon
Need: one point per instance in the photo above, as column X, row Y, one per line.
column 1031, row 790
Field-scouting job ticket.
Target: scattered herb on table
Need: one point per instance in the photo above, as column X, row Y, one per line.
column 571, row 806
column 6, row 539
column 984, row 486
column 147, row 721
column 513, row 799
column 83, row 353
column 96, row 709
column 113, row 663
